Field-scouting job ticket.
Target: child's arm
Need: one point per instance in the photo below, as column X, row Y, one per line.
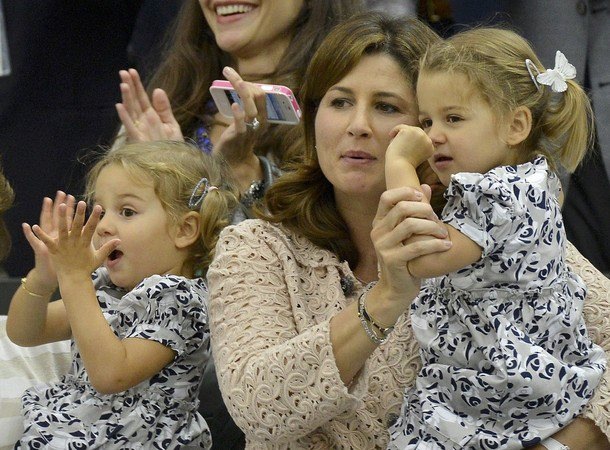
column 32, row 320
column 113, row 365
column 409, row 148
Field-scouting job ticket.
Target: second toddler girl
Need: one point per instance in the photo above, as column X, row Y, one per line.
column 506, row 356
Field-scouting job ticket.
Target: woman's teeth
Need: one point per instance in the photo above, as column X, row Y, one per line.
column 227, row 10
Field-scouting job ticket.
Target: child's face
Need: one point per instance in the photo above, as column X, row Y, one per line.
column 463, row 128
column 134, row 214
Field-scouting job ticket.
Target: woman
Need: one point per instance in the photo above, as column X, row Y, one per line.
column 297, row 366
column 265, row 41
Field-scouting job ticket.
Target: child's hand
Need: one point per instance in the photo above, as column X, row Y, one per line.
column 411, row 144
column 45, row 274
column 71, row 249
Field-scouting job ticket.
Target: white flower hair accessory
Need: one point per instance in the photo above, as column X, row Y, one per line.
column 555, row 77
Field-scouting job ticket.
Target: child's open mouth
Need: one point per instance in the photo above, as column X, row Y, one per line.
column 114, row 257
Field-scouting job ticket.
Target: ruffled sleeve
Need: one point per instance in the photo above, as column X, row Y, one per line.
column 483, row 207
column 278, row 376
column 170, row 310
column 596, row 312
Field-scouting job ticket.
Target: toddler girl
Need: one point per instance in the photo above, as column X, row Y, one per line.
column 506, row 356
column 139, row 326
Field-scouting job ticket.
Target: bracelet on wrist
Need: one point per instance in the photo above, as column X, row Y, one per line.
column 34, row 294
column 551, row 444
column 376, row 333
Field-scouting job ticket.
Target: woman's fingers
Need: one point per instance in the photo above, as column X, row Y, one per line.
column 252, row 96
column 162, row 106
column 139, row 91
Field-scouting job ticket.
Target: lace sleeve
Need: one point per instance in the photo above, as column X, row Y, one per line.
column 277, row 375
column 596, row 312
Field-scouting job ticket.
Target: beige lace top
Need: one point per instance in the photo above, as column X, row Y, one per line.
column 272, row 295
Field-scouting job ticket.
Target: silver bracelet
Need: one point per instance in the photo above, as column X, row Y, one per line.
column 368, row 324
column 552, row 444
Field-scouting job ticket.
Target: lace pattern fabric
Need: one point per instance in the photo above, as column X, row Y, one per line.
column 272, row 295
column 596, row 312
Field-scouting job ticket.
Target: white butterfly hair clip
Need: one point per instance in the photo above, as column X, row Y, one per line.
column 555, row 77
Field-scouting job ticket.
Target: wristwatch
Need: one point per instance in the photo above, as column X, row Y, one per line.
column 552, row 444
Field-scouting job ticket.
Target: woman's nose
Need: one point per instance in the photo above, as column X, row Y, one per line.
column 359, row 123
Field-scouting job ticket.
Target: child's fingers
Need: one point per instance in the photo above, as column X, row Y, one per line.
column 70, row 201
column 105, row 250
column 30, row 236
column 79, row 219
column 92, row 222
column 40, row 234
column 46, row 213
column 62, row 223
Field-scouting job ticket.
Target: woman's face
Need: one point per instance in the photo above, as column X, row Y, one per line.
column 353, row 124
column 245, row 29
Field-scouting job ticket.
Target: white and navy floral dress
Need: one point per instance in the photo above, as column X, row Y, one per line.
column 506, row 356
column 158, row 413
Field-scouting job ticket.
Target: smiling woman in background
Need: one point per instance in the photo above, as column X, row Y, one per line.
column 268, row 41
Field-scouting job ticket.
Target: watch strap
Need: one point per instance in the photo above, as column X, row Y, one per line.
column 552, row 444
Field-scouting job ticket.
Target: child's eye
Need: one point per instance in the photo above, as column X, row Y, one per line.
column 425, row 123
column 127, row 212
column 453, row 119
column 102, row 214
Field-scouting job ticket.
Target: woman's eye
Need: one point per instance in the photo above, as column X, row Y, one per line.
column 338, row 102
column 387, row 108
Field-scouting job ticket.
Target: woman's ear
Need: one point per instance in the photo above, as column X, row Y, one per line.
column 520, row 125
column 187, row 230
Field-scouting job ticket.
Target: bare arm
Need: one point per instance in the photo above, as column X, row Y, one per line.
column 113, row 365
column 580, row 434
column 264, row 340
column 410, row 148
column 32, row 320
column 397, row 219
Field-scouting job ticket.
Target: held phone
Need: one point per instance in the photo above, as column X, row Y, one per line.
column 282, row 107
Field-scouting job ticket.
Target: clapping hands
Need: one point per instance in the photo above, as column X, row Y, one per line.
column 63, row 241
column 145, row 119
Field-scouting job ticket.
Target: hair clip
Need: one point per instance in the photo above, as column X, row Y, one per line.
column 557, row 76
column 531, row 68
column 205, row 187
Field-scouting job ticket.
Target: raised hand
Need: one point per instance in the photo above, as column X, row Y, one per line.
column 49, row 220
column 401, row 215
column 409, row 148
column 145, row 120
column 70, row 246
column 237, row 142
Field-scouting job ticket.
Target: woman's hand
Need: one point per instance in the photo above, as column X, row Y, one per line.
column 43, row 277
column 236, row 144
column 145, row 120
column 70, row 246
column 398, row 219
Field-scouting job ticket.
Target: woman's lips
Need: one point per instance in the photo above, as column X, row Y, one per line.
column 357, row 157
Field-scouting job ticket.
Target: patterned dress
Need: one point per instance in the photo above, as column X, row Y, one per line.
column 160, row 412
column 506, row 356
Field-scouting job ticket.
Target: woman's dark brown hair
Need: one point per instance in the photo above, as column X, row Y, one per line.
column 193, row 60
column 302, row 199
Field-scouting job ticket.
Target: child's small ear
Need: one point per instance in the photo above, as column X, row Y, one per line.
column 188, row 230
column 520, row 125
